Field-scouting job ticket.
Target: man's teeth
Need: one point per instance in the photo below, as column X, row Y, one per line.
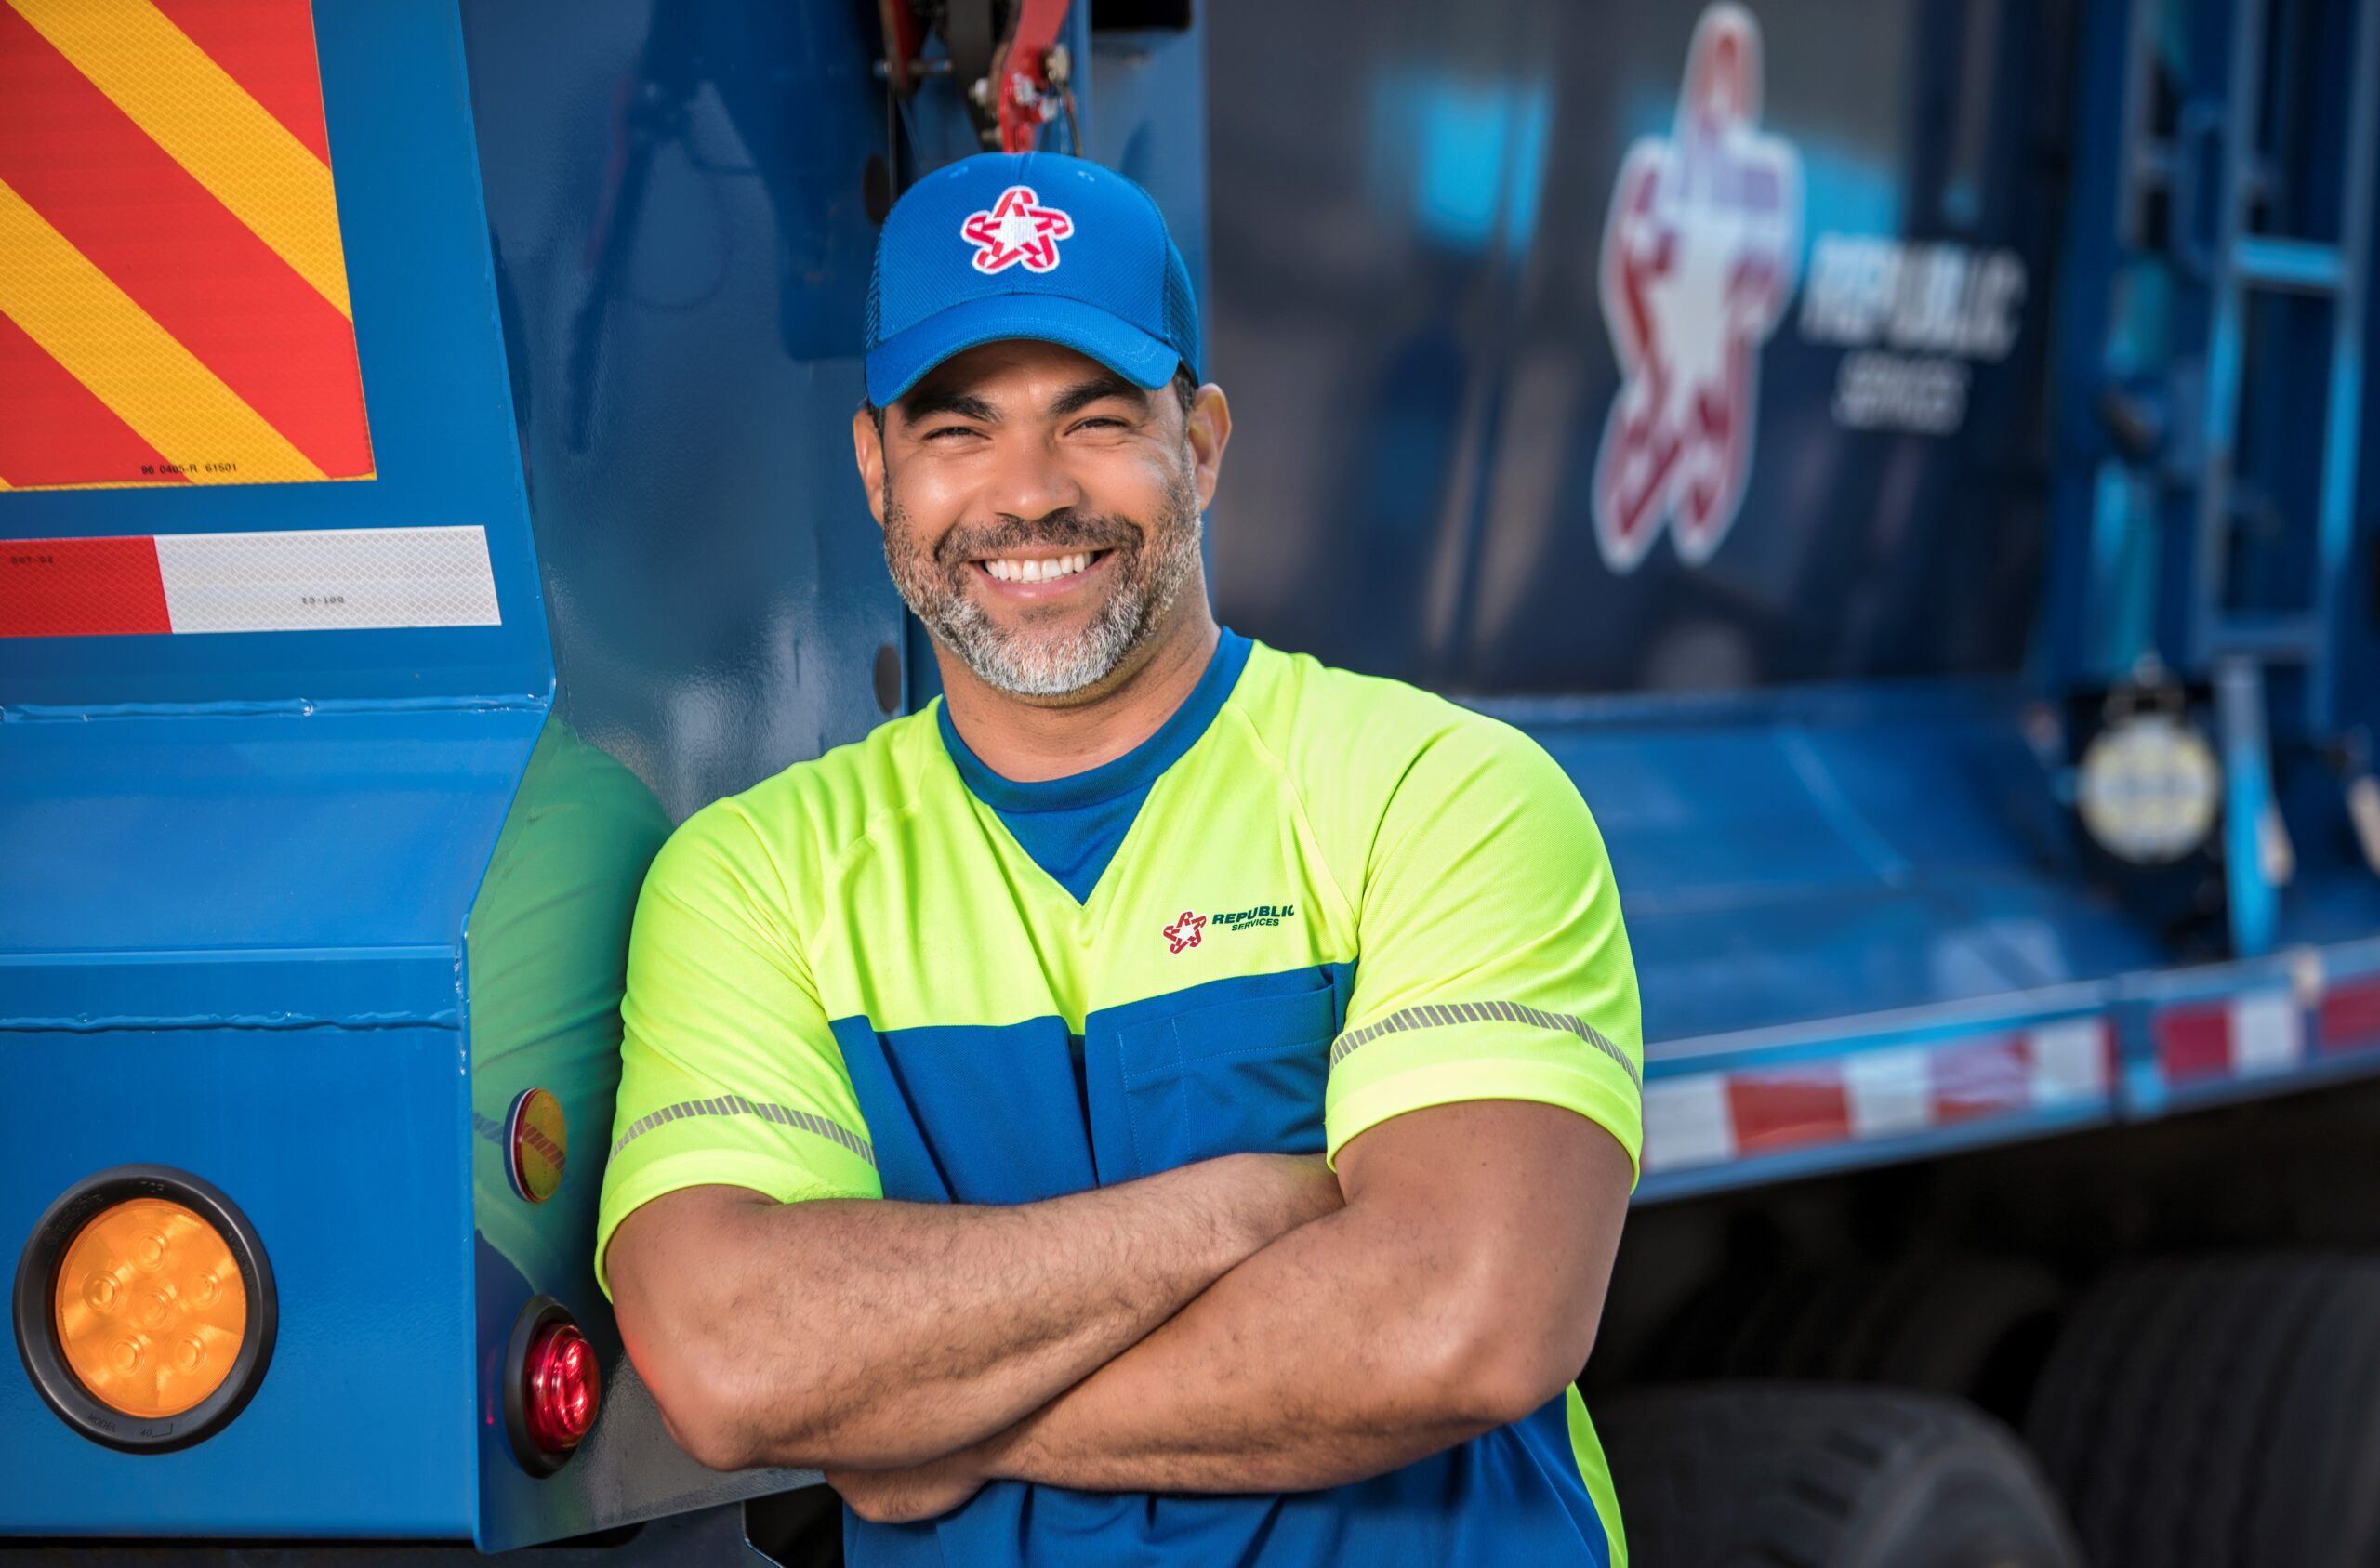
column 1037, row 571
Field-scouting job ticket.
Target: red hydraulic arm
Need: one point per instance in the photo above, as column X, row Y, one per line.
column 1029, row 74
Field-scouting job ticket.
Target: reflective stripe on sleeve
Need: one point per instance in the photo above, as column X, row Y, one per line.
column 1440, row 1015
column 736, row 1105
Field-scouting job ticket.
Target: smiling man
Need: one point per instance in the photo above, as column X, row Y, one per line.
column 1168, row 1102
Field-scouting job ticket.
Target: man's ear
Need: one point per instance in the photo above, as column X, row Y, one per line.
column 1208, row 423
column 868, row 451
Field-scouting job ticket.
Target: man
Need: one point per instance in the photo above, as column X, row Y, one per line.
column 1168, row 1102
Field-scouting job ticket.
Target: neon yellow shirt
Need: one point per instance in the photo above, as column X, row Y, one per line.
column 1311, row 902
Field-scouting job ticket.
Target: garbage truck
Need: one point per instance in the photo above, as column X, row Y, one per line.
column 1901, row 460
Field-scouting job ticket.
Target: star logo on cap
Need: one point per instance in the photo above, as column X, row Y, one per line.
column 1018, row 227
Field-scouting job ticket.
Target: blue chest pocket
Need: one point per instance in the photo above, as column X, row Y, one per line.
column 971, row 1115
column 1242, row 1075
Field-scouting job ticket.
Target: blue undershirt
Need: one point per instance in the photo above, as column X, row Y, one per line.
column 1072, row 826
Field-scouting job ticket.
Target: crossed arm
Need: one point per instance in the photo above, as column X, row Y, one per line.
column 1243, row 1324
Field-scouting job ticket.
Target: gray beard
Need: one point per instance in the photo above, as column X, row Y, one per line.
column 1151, row 569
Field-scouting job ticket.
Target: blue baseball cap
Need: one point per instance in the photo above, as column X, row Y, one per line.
column 1027, row 245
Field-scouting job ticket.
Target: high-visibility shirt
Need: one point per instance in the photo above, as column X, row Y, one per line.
column 1312, row 901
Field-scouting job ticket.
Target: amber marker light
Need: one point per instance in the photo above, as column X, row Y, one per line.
column 149, row 1308
column 144, row 1308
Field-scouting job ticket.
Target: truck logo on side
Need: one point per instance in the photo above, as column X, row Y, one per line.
column 1699, row 258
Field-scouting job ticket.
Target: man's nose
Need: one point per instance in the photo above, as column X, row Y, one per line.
column 1030, row 482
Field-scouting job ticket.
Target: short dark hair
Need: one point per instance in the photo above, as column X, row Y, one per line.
column 1184, row 385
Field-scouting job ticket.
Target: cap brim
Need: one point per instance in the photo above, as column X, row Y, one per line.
column 900, row 361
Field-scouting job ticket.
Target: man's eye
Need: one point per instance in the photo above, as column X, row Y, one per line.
column 949, row 430
column 1101, row 422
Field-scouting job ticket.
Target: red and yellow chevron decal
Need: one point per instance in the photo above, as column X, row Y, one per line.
column 173, row 295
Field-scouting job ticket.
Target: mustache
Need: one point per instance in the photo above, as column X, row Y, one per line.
column 1066, row 530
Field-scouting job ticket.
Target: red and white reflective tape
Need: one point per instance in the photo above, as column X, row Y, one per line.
column 1703, row 1119
column 2246, row 1036
column 1894, row 1091
column 2257, row 1034
column 335, row 579
column 2348, row 1015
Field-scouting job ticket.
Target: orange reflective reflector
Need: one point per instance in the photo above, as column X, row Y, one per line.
column 149, row 1308
column 540, row 1143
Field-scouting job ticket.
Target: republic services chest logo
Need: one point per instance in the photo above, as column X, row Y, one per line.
column 1700, row 256
column 1017, row 228
column 1191, row 929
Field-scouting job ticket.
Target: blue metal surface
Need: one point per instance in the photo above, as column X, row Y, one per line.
column 2291, row 264
column 1408, row 216
column 231, row 947
column 344, row 1147
column 542, row 971
column 231, row 919
column 1831, row 852
column 1142, row 82
column 356, row 831
column 2252, row 900
column 2095, row 505
column 2210, row 382
column 674, row 197
column 1815, row 875
column 2353, row 324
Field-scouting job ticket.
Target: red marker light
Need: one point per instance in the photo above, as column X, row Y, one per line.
column 563, row 1388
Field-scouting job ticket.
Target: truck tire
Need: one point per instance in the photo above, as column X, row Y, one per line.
column 2220, row 1413
column 1812, row 1477
column 1974, row 1327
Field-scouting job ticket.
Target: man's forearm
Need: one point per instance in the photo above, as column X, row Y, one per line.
column 1298, row 1369
column 1458, row 1291
column 860, row 1332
